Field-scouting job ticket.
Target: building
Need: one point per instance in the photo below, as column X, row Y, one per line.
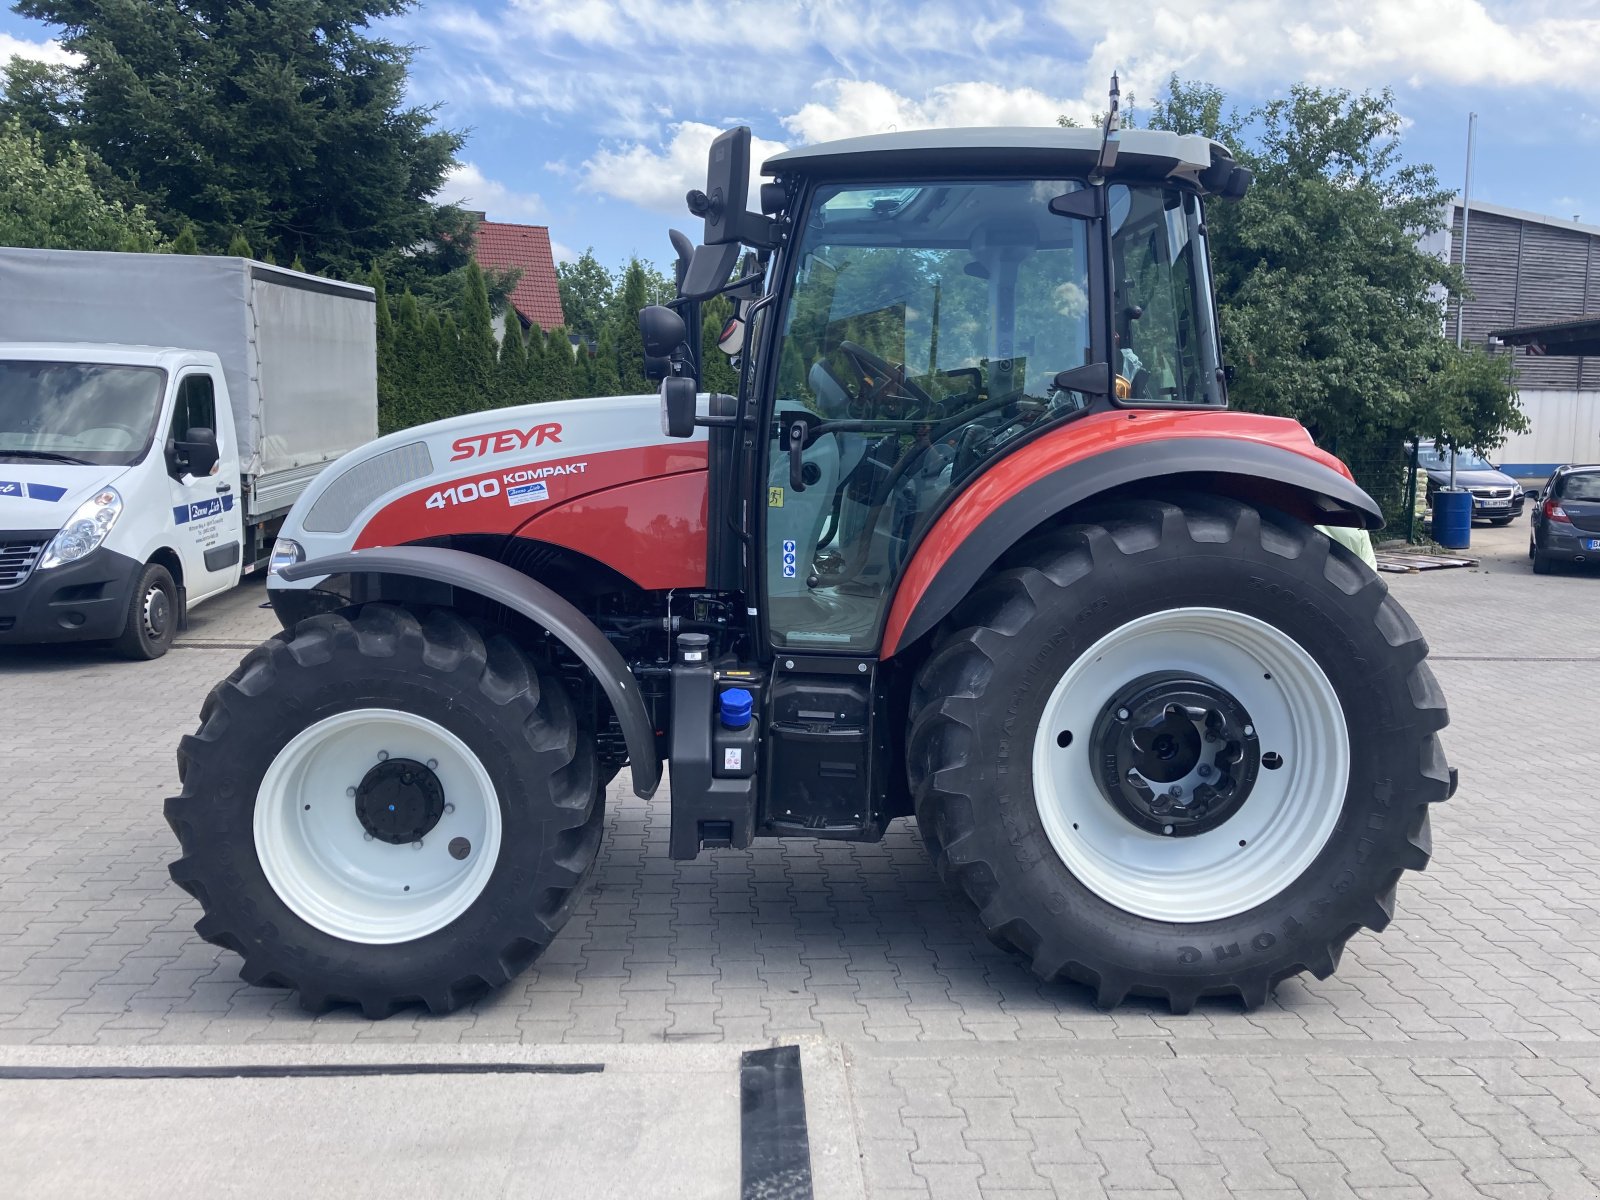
column 503, row 246
column 1531, row 275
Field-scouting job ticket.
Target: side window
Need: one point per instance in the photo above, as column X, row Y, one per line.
column 196, row 407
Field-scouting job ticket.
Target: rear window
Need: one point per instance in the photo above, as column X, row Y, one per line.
column 1581, row 487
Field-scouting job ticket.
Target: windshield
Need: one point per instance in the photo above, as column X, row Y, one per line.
column 77, row 412
column 1433, row 458
column 935, row 319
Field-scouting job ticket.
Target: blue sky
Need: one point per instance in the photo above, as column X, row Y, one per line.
column 593, row 116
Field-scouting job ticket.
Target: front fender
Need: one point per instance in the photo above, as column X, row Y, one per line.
column 500, row 583
column 1264, row 460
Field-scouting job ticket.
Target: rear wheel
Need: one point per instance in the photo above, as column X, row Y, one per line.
column 1541, row 562
column 1178, row 751
column 384, row 809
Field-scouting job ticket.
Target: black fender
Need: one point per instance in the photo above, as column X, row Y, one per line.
column 1252, row 471
column 500, row 583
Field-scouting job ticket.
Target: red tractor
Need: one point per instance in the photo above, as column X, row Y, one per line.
column 978, row 540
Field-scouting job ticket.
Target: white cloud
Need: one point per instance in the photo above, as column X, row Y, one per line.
column 659, row 178
column 50, row 52
column 563, row 252
column 860, row 106
column 1261, row 44
column 467, row 186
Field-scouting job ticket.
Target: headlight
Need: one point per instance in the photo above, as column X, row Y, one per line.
column 84, row 530
column 285, row 553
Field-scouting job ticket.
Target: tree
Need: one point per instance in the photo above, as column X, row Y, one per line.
column 239, row 247
column 410, row 345
column 55, row 205
column 716, row 369
column 478, row 350
column 285, row 121
column 389, row 396
column 187, row 243
column 631, row 295
column 1329, row 305
column 588, row 293
column 607, row 379
column 563, row 372
column 511, row 373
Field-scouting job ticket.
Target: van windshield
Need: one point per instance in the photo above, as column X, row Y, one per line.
column 78, row 412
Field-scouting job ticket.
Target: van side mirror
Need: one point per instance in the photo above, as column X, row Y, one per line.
column 197, row 453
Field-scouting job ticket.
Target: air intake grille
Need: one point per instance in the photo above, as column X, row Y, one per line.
column 16, row 561
column 347, row 495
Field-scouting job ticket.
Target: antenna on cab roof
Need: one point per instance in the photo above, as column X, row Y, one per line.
column 1109, row 131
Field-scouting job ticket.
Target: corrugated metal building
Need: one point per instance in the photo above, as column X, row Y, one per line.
column 1527, row 269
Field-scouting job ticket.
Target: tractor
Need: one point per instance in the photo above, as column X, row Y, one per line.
column 977, row 541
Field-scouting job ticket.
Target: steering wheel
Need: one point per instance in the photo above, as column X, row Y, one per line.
column 878, row 376
column 134, row 435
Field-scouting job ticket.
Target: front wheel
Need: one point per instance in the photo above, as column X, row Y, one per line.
column 384, row 808
column 154, row 610
column 1178, row 750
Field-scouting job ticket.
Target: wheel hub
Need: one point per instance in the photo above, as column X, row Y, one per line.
column 399, row 801
column 1175, row 754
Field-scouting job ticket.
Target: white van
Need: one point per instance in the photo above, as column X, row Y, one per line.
column 142, row 475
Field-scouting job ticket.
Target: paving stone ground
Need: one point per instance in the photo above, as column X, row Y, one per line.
column 1456, row 1055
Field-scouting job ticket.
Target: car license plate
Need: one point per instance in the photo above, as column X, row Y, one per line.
column 1495, row 503
column 1591, row 544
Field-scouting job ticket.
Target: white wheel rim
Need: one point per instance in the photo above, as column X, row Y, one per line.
column 1285, row 821
column 321, row 861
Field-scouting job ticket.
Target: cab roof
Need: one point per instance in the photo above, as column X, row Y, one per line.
column 1042, row 151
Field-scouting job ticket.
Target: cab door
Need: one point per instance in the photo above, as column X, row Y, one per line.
column 207, row 520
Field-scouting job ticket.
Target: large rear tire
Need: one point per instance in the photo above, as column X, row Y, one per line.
column 1301, row 721
column 383, row 809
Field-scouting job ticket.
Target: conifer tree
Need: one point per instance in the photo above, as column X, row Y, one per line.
column 477, row 352
column 186, row 242
column 511, row 375
column 239, row 247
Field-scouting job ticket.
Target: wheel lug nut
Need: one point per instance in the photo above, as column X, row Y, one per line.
column 367, row 836
column 1174, row 790
column 1205, row 771
column 449, row 808
column 417, row 845
column 1249, row 731
column 1122, row 714
column 1167, row 829
column 383, row 755
column 433, row 764
column 349, row 791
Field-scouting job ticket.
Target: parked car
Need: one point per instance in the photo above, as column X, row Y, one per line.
column 1496, row 497
column 1566, row 519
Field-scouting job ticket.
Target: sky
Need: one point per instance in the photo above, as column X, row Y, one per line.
column 594, row 116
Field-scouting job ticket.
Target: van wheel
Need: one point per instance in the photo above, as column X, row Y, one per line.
column 153, row 612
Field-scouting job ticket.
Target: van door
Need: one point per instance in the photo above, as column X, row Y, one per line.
column 205, row 506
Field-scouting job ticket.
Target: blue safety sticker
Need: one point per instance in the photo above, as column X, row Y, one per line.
column 201, row 509
column 34, row 491
column 788, row 559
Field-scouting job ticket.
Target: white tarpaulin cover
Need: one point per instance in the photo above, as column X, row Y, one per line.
column 299, row 352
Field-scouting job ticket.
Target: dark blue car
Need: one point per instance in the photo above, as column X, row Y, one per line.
column 1566, row 519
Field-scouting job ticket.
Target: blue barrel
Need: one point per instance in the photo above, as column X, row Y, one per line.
column 1452, row 519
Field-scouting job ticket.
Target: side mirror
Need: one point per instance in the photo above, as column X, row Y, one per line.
column 710, row 270
column 197, row 452
column 677, row 406
column 723, row 203
column 663, row 330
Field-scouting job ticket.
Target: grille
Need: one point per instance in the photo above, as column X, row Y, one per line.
column 347, row 495
column 16, row 561
column 1492, row 493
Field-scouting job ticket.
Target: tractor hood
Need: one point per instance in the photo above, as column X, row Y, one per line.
column 492, row 472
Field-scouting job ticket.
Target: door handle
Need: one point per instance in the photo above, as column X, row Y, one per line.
column 224, row 487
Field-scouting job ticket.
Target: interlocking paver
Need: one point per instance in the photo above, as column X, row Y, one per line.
column 1495, row 948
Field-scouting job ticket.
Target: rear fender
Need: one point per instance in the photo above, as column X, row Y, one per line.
column 996, row 513
column 503, row 585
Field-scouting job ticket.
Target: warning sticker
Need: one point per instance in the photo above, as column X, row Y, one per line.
column 774, row 497
column 527, row 493
column 788, row 559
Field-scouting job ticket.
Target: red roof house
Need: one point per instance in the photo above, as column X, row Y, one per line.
column 502, row 246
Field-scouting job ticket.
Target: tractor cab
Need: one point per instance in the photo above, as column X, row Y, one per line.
column 919, row 305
